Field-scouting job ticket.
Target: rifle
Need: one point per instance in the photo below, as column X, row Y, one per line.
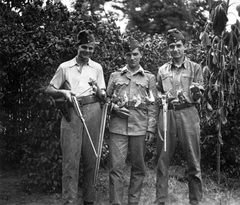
column 79, row 113
column 102, row 128
column 165, row 108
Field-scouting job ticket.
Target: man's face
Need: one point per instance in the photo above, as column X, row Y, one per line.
column 177, row 49
column 133, row 58
column 86, row 50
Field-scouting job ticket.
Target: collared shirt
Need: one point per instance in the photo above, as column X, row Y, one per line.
column 126, row 88
column 172, row 79
column 69, row 76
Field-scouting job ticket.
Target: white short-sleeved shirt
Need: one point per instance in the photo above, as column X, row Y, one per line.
column 69, row 76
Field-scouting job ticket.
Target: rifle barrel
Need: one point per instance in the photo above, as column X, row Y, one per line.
column 165, row 108
column 100, row 142
column 79, row 113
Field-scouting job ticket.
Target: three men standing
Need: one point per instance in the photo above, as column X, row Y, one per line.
column 132, row 91
column 180, row 80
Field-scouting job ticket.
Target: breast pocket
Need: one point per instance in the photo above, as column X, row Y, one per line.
column 121, row 87
column 167, row 82
column 142, row 87
column 186, row 81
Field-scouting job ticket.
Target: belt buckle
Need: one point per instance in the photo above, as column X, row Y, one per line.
column 80, row 102
column 174, row 108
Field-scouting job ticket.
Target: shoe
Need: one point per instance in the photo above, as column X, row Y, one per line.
column 194, row 203
column 88, row 203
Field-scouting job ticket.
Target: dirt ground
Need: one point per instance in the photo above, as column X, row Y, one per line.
column 12, row 193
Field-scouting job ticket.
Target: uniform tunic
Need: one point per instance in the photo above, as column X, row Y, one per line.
column 183, row 124
column 134, row 91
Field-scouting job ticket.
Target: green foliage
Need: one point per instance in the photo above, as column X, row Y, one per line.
column 42, row 158
column 34, row 41
column 158, row 16
column 222, row 87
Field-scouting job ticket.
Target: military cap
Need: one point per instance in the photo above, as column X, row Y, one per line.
column 130, row 44
column 84, row 37
column 174, row 35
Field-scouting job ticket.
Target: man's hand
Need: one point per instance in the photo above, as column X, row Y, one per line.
column 102, row 95
column 149, row 137
column 67, row 94
column 195, row 92
column 121, row 111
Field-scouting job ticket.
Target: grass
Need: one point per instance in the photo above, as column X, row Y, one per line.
column 227, row 193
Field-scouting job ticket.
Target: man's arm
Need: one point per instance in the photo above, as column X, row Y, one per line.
column 197, row 89
column 122, row 112
column 152, row 110
column 59, row 93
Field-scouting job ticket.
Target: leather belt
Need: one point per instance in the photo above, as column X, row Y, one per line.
column 179, row 106
column 132, row 105
column 84, row 100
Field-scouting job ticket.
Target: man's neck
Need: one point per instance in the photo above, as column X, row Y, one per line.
column 178, row 61
column 82, row 61
column 133, row 69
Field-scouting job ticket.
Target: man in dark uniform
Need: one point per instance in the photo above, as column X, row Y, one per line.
column 75, row 77
column 180, row 80
column 133, row 121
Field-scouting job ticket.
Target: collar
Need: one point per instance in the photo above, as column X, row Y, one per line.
column 125, row 70
column 73, row 62
column 183, row 65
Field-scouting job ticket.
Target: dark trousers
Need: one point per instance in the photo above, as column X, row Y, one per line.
column 183, row 124
column 119, row 147
column 75, row 143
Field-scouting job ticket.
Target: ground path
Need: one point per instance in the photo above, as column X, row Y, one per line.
column 11, row 191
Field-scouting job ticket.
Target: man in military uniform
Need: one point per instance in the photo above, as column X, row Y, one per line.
column 133, row 121
column 76, row 77
column 180, row 80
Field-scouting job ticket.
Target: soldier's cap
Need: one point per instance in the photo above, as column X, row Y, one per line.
column 130, row 44
column 85, row 37
column 174, row 35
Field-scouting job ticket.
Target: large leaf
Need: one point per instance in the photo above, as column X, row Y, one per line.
column 223, row 114
column 219, row 20
column 205, row 40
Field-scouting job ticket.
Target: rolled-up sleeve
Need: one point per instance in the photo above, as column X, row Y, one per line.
column 198, row 77
column 100, row 79
column 58, row 78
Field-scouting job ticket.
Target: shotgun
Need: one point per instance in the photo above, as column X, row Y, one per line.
column 100, row 142
column 79, row 113
column 165, row 109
